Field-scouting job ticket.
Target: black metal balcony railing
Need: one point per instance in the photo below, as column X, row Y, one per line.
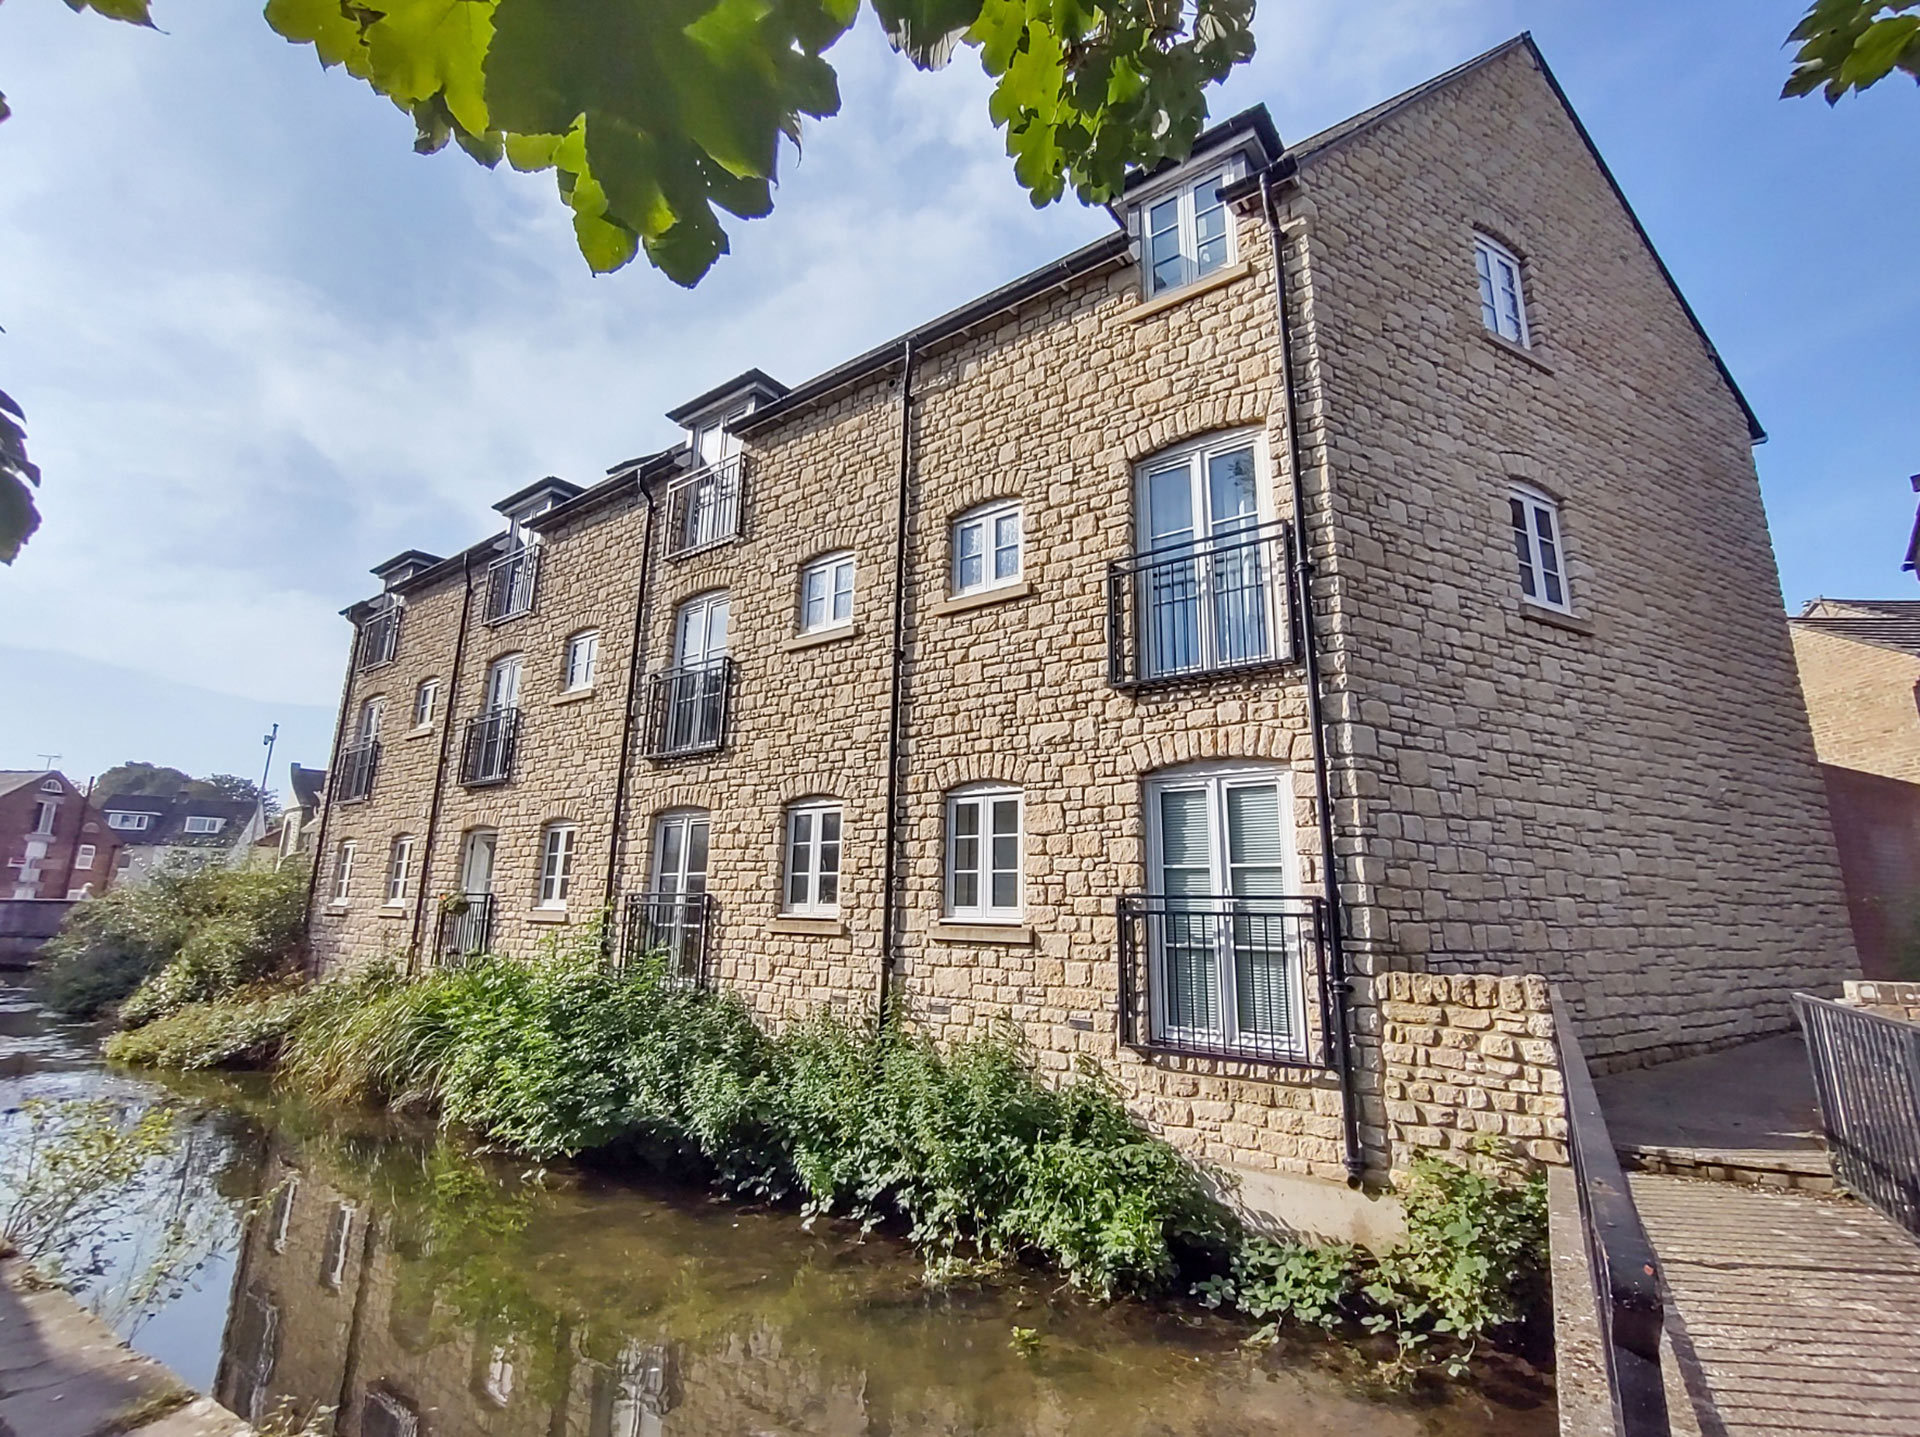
column 466, row 926
column 358, row 763
column 1225, row 977
column 1866, row 1074
column 378, row 638
column 678, row 926
column 703, row 508
column 510, row 580
column 688, row 709
column 1212, row 607
column 486, row 754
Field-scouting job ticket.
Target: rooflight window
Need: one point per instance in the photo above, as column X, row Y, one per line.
column 1187, row 233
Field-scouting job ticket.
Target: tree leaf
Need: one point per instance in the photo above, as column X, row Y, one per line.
column 134, row 12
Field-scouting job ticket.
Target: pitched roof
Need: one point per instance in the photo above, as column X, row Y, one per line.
column 13, row 778
column 1884, row 623
column 170, row 819
column 307, row 785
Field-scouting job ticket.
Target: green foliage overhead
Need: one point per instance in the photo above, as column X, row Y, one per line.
column 1852, row 44
column 657, row 115
column 19, row 475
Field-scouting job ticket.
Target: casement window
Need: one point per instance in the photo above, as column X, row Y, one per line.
column 983, row 854
column 399, row 870
column 83, row 856
column 987, row 545
column 1537, row 547
column 333, row 1262
column 556, row 864
column 813, row 859
column 826, row 593
column 43, row 816
column 343, row 871
column 52, row 786
column 201, row 823
column 130, row 822
column 1187, row 233
column 583, row 658
column 426, row 702
column 1503, row 300
column 373, row 713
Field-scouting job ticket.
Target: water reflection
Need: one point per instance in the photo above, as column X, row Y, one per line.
column 421, row 1291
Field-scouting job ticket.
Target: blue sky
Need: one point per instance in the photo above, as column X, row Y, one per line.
column 262, row 345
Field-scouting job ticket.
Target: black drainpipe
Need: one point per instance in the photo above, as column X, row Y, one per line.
column 896, row 709
column 440, row 764
column 615, row 841
column 326, row 789
column 1316, row 719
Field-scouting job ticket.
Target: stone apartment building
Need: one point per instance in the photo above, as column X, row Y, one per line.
column 975, row 676
column 1859, row 662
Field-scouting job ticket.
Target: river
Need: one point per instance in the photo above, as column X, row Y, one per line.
column 352, row 1261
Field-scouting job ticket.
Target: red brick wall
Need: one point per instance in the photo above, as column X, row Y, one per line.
column 1876, row 823
column 17, row 813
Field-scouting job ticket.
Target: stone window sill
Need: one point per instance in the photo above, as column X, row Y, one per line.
column 392, row 910
column 1219, row 279
column 574, row 696
column 1518, row 351
column 808, row 927
column 1553, row 618
column 546, row 915
column 981, row 599
column 1008, row 935
column 423, row 731
column 818, row 637
column 338, row 907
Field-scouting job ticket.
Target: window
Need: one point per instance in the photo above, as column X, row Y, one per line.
column 52, row 786
column 333, row 1263
column 426, row 699
column 1189, row 232
column 343, row 872
column 83, row 856
column 583, row 657
column 556, row 864
column 281, row 1220
column 202, row 823
column 399, row 865
column 131, row 822
column 1503, row 303
column 43, row 815
column 983, row 854
column 826, row 593
column 1536, row 544
column 987, row 548
column 813, row 859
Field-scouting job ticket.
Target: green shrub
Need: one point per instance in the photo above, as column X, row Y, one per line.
column 184, row 937
column 243, row 1030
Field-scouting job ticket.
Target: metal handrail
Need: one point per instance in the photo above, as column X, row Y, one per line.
column 1214, row 606
column 358, row 763
column 510, row 584
column 487, row 747
column 677, row 926
column 466, row 928
column 689, row 709
column 1625, row 1270
column 1866, row 1077
column 703, row 507
column 1226, row 976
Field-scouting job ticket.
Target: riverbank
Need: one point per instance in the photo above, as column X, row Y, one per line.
column 63, row 1373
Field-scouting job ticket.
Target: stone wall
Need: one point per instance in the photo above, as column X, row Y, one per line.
column 1895, row 1000
column 1863, row 701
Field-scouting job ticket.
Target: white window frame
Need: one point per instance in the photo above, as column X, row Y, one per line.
column 426, row 702
column 343, row 870
column 373, row 716
column 558, row 844
column 982, row 800
column 582, row 661
column 202, row 824
column 1185, row 197
column 46, row 813
column 282, row 1212
column 1501, row 276
column 984, row 519
column 130, row 822
column 399, row 869
column 811, row 859
column 83, row 857
column 1541, row 560
column 833, row 574
column 52, row 786
column 339, row 1242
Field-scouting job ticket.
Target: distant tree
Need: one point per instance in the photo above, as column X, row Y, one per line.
column 148, row 778
column 1851, row 45
column 19, row 475
column 227, row 785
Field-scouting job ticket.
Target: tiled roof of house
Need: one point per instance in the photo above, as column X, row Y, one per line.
column 307, row 785
column 1884, row 623
column 170, row 815
column 12, row 778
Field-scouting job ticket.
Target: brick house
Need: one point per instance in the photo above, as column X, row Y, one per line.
column 50, row 838
column 1859, row 662
column 974, row 674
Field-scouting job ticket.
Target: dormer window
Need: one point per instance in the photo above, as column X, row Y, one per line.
column 1186, row 232
column 704, row 502
column 198, row 823
column 130, row 822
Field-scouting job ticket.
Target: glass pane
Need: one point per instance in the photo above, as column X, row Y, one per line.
column 969, row 562
column 1006, row 546
column 1233, row 497
column 1262, row 993
column 1489, row 313
column 1189, row 968
column 796, row 868
column 1255, row 852
column 1523, row 549
column 672, row 857
column 1209, row 226
column 697, row 856
column 1186, row 846
column 1006, row 885
column 1169, row 507
column 1167, row 265
column 1006, row 816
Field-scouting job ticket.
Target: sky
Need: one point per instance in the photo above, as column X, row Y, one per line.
column 262, row 345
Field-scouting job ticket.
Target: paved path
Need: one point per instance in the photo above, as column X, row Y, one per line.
column 1790, row 1312
column 64, row 1374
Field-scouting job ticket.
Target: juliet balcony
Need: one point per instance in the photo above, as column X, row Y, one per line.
column 1196, row 609
column 486, row 749
column 689, row 710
